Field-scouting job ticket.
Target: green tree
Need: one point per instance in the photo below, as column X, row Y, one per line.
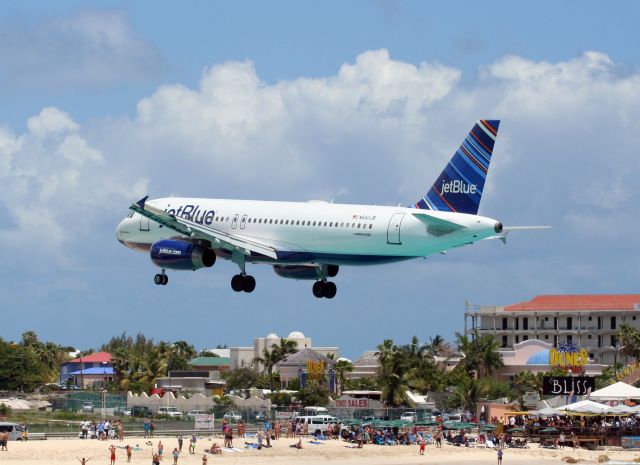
column 314, row 394
column 243, row 378
column 341, row 368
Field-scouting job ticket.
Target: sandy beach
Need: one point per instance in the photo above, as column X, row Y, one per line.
column 65, row 451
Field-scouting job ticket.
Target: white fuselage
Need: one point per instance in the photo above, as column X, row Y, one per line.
column 314, row 232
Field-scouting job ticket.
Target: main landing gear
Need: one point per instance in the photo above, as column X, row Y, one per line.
column 243, row 282
column 161, row 279
column 326, row 289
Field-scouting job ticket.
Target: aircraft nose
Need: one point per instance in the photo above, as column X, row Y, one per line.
column 122, row 230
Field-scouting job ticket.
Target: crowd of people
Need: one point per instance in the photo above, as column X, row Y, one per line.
column 102, row 430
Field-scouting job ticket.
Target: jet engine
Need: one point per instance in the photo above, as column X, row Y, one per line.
column 177, row 254
column 303, row 271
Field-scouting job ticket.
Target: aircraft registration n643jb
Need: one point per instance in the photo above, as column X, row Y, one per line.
column 312, row 240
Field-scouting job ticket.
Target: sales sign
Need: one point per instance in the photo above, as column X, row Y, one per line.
column 568, row 385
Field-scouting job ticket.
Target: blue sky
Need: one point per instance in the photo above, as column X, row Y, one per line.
column 103, row 102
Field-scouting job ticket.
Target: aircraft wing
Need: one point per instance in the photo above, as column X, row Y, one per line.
column 189, row 228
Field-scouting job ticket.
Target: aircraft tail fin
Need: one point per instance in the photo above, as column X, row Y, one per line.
column 459, row 187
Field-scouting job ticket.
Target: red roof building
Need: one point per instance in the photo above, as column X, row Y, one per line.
column 590, row 321
column 81, row 366
column 97, row 357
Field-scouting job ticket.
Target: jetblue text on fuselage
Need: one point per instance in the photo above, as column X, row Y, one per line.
column 193, row 213
column 456, row 186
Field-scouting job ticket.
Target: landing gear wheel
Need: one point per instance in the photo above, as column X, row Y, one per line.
column 318, row 289
column 248, row 283
column 330, row 290
column 165, row 279
column 158, row 279
column 237, row 283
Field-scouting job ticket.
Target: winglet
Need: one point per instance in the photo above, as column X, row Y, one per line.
column 142, row 201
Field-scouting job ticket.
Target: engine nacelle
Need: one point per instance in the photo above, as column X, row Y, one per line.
column 303, row 271
column 181, row 255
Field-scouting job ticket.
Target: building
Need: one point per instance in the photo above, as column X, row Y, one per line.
column 219, row 364
column 533, row 355
column 589, row 321
column 87, row 369
column 291, row 366
column 244, row 357
column 207, row 383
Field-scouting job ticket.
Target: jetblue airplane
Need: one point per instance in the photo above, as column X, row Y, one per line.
column 311, row 240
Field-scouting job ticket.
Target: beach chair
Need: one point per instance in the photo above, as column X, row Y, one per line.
column 490, row 444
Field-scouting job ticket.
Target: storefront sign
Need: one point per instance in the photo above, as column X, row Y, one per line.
column 568, row 357
column 351, row 402
column 630, row 369
column 315, row 370
column 568, row 385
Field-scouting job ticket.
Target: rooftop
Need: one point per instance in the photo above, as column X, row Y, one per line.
column 97, row 357
column 300, row 358
column 572, row 302
column 211, row 362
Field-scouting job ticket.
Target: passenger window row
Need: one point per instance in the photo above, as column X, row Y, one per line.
column 326, row 224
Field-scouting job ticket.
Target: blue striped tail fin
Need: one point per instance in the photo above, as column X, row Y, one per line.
column 459, row 187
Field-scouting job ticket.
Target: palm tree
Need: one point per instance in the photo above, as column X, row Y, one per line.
column 342, row 367
column 629, row 337
column 269, row 359
column 284, row 348
column 490, row 358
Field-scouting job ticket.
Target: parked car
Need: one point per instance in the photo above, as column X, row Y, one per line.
column 141, row 411
column 170, row 412
column 192, row 414
column 408, row 416
column 232, row 416
column 87, row 407
column 122, row 411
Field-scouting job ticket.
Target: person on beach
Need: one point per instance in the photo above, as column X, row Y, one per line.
column 112, row 449
column 128, row 449
column 82, row 460
column 175, row 455
column 192, row 444
column 297, row 445
column 215, row 448
column 155, row 458
column 499, row 456
column 160, row 449
column 4, row 438
column 180, row 439
column 204, row 459
column 423, row 444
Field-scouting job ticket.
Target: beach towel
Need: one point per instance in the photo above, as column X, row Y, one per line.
column 315, row 442
column 232, row 449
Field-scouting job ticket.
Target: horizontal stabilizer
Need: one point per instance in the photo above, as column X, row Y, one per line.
column 437, row 226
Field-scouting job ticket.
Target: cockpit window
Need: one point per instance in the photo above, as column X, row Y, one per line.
column 130, row 215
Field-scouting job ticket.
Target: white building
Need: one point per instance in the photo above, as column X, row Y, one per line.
column 243, row 357
column 589, row 321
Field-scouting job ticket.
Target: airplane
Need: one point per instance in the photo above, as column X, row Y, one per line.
column 312, row 240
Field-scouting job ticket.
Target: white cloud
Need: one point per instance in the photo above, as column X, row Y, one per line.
column 92, row 48
column 379, row 129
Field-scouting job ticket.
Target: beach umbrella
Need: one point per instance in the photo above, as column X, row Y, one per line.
column 426, row 423
column 616, row 391
column 517, row 429
column 622, row 409
column 549, row 430
column 585, row 406
column 548, row 412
